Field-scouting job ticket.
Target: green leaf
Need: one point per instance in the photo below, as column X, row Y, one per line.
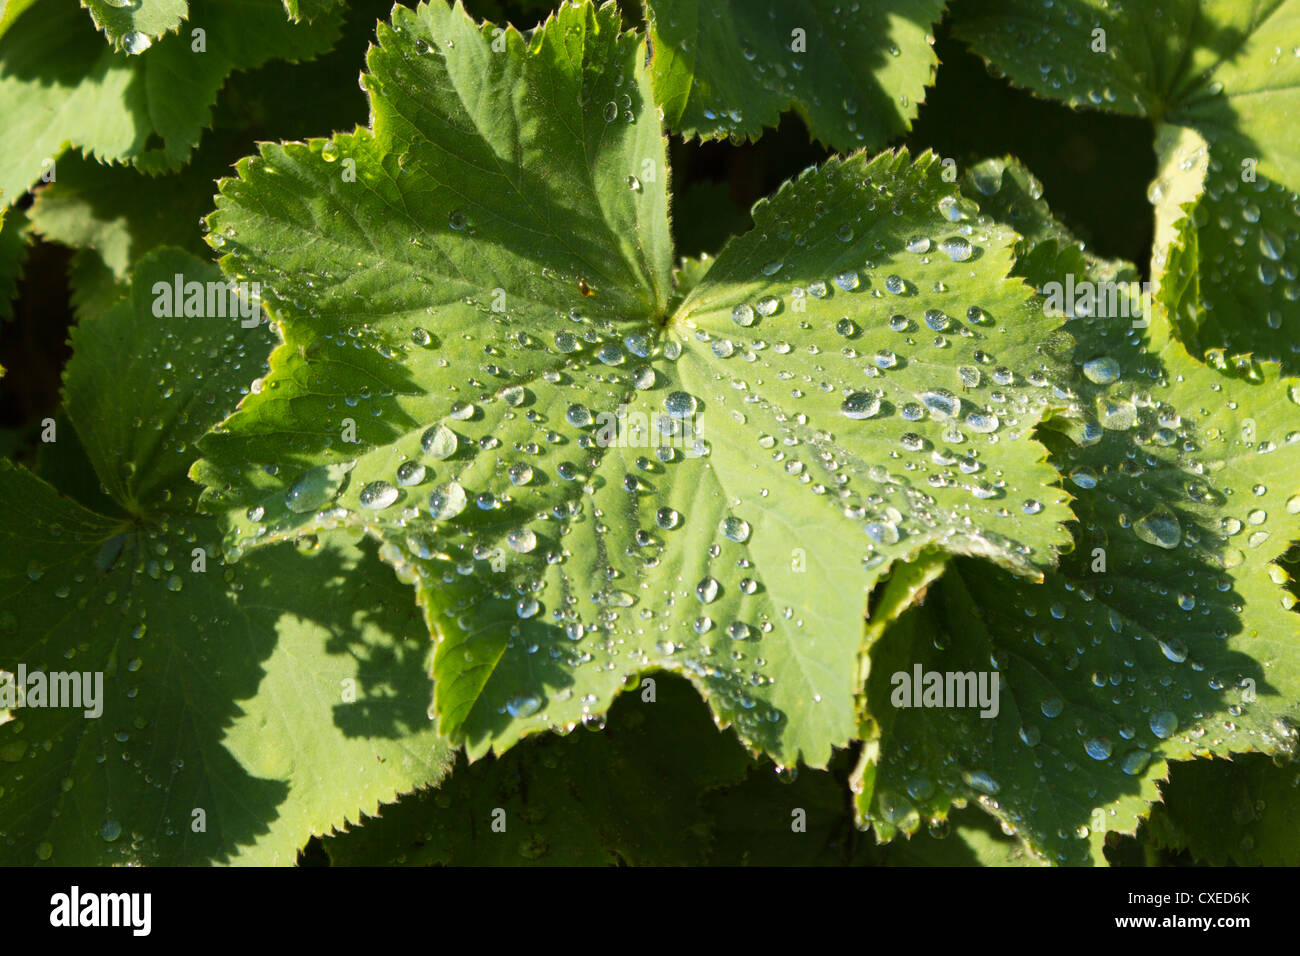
column 1242, row 234
column 1242, row 812
column 60, row 86
column 616, row 556
column 601, row 795
column 967, row 838
column 14, row 228
column 120, row 214
column 132, row 25
column 1166, row 635
column 224, row 689
column 1222, row 67
column 730, row 67
column 10, row 11
column 308, row 9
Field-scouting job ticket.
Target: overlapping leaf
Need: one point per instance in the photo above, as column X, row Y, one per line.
column 1165, row 635
column 620, row 796
column 61, row 86
column 242, row 708
column 1225, row 68
column 584, row 479
column 617, row 795
column 14, row 228
column 1243, row 812
column 130, row 23
column 856, row 73
column 1243, row 230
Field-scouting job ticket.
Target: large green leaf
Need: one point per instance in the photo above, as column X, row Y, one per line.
column 1224, row 67
column 862, row 379
column 224, row 689
column 1185, row 645
column 856, row 74
column 61, row 86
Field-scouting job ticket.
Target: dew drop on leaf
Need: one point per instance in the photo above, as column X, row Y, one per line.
column 734, row 529
column 439, row 442
column 1159, row 527
column 447, row 501
column 377, row 495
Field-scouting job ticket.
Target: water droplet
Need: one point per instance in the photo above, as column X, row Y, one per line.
column 1271, row 245
column 734, row 529
column 982, row 781
column 957, row 248
column 421, row 336
column 377, row 495
column 848, row 280
column 1116, row 414
column 860, row 405
column 456, row 220
column 1164, row 723
column 313, row 490
column 743, row 315
column 1098, row 748
column 410, row 473
column 110, row 830
column 767, row 305
column 439, row 442
column 987, row 178
column 1102, row 370
column 1135, row 762
column 522, row 540
column 918, row 244
column 524, row 705
column 136, row 42
column 707, row 590
column 942, row 403
column 447, row 501
column 1084, row 477
column 1159, row 527
column 680, row 404
column 1173, row 648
